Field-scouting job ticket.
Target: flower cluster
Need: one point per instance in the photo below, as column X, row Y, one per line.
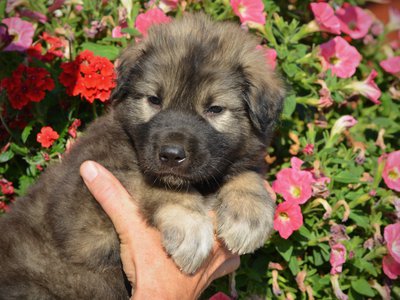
column 89, row 76
column 27, row 84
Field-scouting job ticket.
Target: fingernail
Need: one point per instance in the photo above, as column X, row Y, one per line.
column 89, row 171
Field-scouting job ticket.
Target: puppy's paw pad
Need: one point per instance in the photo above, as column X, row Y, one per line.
column 188, row 238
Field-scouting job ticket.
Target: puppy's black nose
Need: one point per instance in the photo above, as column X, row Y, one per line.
column 172, row 154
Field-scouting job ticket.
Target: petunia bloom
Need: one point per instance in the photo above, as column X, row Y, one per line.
column 390, row 267
column 336, row 288
column 367, row 88
column 325, row 17
column 270, row 56
column 343, row 123
column 151, row 17
column 293, row 184
column 47, row 136
column 219, row 296
column 168, row 5
column 392, row 238
column 391, row 170
column 340, row 57
column 354, row 21
column 250, row 12
column 391, row 65
column 288, row 218
column 337, row 258
column 22, row 32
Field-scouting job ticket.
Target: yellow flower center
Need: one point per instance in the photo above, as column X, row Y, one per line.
column 334, row 60
column 283, row 216
column 242, row 9
column 394, row 174
column 295, row 191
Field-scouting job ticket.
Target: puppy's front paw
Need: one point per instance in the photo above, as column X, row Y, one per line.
column 246, row 213
column 187, row 236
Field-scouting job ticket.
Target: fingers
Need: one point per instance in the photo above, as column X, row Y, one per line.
column 110, row 193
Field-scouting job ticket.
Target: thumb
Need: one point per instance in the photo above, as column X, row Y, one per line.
column 112, row 196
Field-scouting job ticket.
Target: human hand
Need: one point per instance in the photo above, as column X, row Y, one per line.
column 149, row 269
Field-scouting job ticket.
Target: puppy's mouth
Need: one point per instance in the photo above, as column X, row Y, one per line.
column 171, row 179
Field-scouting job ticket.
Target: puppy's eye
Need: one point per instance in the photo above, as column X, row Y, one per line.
column 215, row 109
column 154, row 100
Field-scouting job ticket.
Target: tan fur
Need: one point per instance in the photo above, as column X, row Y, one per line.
column 177, row 157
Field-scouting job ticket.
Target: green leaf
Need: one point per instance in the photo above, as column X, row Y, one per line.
column 362, row 287
column 347, row 176
column 26, row 132
column 131, row 31
column 6, row 156
column 289, row 106
column 294, row 265
column 24, row 183
column 19, row 150
column 108, row 51
column 285, row 248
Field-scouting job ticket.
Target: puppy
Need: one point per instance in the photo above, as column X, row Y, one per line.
column 192, row 115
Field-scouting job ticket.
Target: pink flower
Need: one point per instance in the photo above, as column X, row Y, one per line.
column 391, row 171
column 7, row 187
column 308, row 149
column 325, row 17
column 153, row 16
column 367, row 88
column 168, row 5
column 219, row 296
column 294, row 184
column 34, row 15
column 390, row 267
column 250, row 12
column 270, row 56
column 22, row 33
column 392, row 238
column 354, row 21
column 343, row 123
column 340, row 57
column 117, row 33
column 391, row 65
column 337, row 258
column 288, row 218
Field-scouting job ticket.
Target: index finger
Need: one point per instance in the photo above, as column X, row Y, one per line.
column 112, row 196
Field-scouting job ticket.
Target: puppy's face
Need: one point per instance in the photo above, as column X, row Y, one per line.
column 191, row 100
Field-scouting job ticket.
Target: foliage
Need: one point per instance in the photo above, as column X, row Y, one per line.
column 339, row 129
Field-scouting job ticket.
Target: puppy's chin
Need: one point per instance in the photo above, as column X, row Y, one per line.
column 171, row 180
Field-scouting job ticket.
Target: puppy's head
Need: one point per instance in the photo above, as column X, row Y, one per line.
column 196, row 97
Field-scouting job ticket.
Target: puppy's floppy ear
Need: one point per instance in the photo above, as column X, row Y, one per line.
column 264, row 98
column 127, row 67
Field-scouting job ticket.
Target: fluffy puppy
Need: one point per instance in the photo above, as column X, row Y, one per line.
column 192, row 115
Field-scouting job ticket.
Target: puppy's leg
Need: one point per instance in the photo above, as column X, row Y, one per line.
column 187, row 230
column 245, row 214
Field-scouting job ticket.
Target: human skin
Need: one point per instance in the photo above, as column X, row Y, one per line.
column 147, row 266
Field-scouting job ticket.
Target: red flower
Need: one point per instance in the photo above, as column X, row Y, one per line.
column 47, row 136
column 91, row 77
column 27, row 84
column 6, row 187
column 340, row 57
column 74, row 126
column 220, row 296
column 288, row 218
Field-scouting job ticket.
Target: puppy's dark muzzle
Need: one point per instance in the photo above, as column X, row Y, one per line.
column 172, row 155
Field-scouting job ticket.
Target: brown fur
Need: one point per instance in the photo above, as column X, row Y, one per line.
column 58, row 242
